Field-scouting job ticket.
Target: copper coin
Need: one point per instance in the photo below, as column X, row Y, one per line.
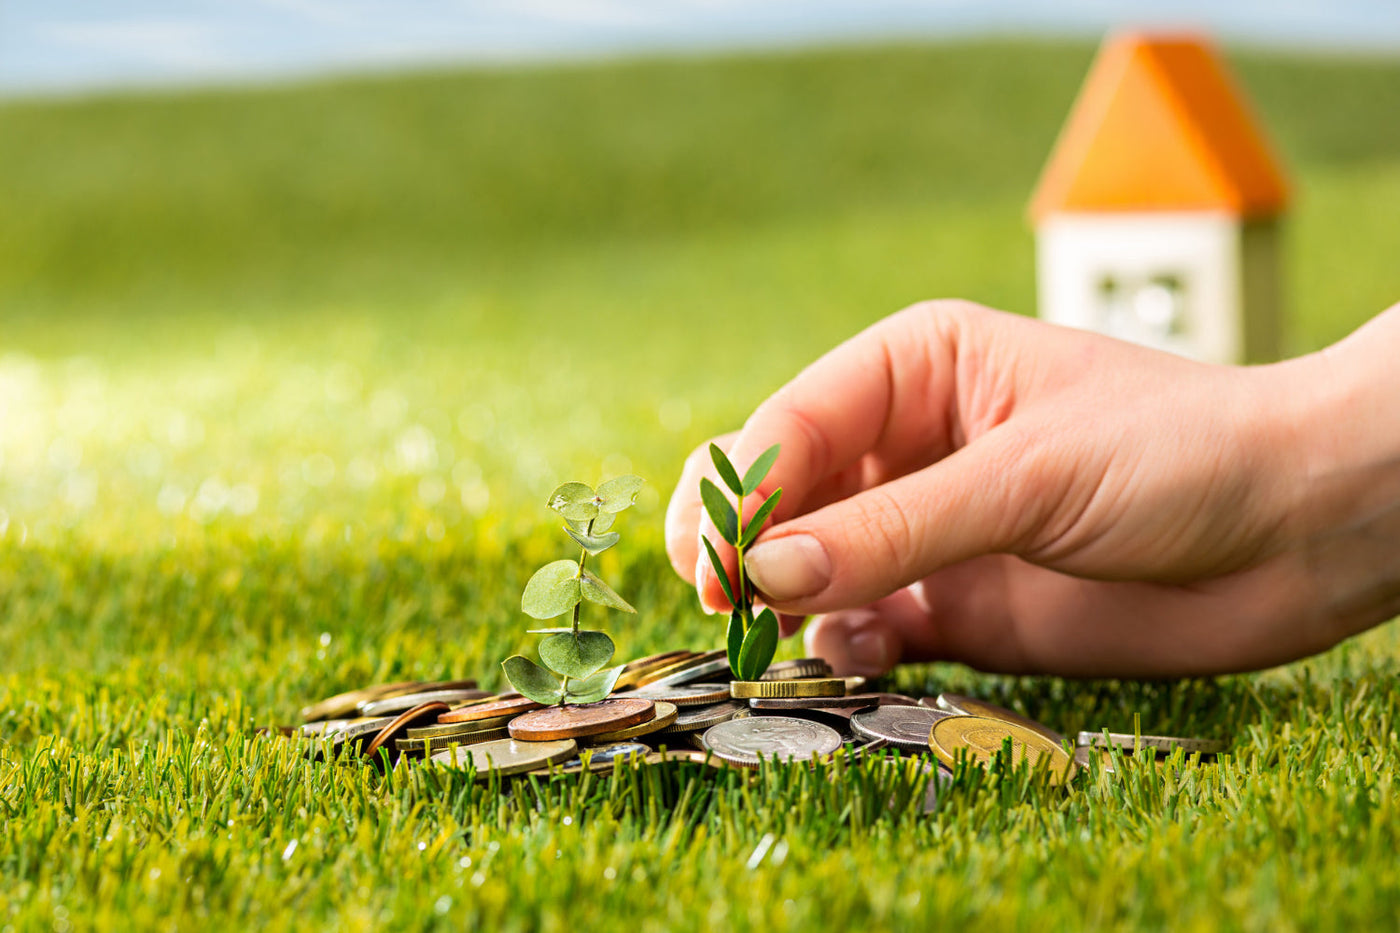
column 685, row 694
column 401, row 722
column 571, row 722
column 489, row 710
column 666, row 714
column 859, row 701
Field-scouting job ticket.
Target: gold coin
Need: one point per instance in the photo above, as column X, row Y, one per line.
column 666, row 714
column 815, row 687
column 679, row 666
column 440, row 730
column 971, row 706
column 631, row 676
column 792, row 670
column 982, row 739
column 507, row 756
column 429, row 746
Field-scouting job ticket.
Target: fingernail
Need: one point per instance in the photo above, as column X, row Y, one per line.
column 789, row 568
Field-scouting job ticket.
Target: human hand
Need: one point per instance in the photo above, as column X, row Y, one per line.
column 969, row 485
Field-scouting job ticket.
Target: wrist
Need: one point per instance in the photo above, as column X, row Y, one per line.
column 1344, row 403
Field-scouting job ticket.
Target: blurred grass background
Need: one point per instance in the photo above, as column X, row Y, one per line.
column 286, row 374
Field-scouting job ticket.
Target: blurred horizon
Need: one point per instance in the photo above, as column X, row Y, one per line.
column 84, row 46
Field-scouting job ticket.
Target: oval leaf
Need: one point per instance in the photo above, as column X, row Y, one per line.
column 531, row 680
column 576, row 655
column 594, row 544
column 596, row 591
column 755, row 525
column 574, row 501
column 721, row 512
column 726, row 470
column 552, row 591
column 595, row 688
column 618, row 493
column 759, row 469
column 735, row 642
column 759, row 645
column 719, row 570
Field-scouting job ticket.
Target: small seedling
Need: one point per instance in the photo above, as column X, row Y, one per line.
column 574, row 669
column 752, row 640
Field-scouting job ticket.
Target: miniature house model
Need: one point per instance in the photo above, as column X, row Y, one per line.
column 1156, row 215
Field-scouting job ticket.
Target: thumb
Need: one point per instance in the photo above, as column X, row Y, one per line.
column 865, row 547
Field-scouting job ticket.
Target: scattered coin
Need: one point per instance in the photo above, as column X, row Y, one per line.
column 425, row 712
column 971, row 706
column 602, row 756
column 700, row 718
column 353, row 735
column 507, row 756
column 821, row 687
column 430, row 746
column 632, row 676
column 684, row 694
column 905, row 727
column 344, row 704
column 688, row 755
column 838, row 719
column 681, row 666
column 890, row 699
column 776, row 738
column 666, row 714
column 1161, row 743
column 801, row 667
column 983, row 738
column 572, row 722
column 859, row 701
column 392, row 706
column 855, row 683
column 447, row 729
column 718, row 667
column 491, row 710
column 653, row 660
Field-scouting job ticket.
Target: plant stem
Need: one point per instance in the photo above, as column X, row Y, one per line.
column 582, row 559
column 746, row 607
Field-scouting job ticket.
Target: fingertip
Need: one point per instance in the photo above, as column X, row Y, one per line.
column 855, row 642
column 789, row 625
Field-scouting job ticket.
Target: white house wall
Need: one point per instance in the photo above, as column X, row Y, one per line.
column 1077, row 253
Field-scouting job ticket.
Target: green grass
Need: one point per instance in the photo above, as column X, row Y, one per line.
column 287, row 374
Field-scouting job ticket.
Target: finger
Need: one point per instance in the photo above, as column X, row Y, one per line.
column 870, row 641
column 981, row 500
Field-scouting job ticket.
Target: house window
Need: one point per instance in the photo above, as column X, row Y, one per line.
column 1159, row 306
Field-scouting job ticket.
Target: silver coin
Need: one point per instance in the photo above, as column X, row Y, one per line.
column 774, row 738
column 858, row 701
column 904, row 727
column 1084, row 754
column 394, row 705
column 797, row 669
column 1161, row 743
column 838, row 719
column 710, row 669
column 700, row 718
column 604, row 754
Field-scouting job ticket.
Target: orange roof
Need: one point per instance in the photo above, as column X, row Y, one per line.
column 1159, row 125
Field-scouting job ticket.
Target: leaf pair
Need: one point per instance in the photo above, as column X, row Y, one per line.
column 753, row 478
column 751, row 652
column 578, row 503
column 559, row 586
column 533, row 681
column 723, row 513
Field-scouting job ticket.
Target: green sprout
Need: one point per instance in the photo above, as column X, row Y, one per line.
column 578, row 658
column 752, row 640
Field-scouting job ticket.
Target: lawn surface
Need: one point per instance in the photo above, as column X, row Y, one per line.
column 287, row 374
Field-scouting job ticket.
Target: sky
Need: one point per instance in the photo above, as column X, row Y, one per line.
column 66, row 46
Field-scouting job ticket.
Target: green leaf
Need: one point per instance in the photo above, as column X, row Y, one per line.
column 618, row 493
column 531, row 680
column 759, row 469
column 726, row 470
column 735, row 641
column 719, row 570
column 549, row 631
column 576, row 655
column 594, row 544
column 574, row 501
column 595, row 688
column 759, row 645
column 596, row 591
column 721, row 512
column 552, row 591
column 595, row 526
column 755, row 525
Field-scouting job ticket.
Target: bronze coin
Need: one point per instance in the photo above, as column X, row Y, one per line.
column 859, row 701
column 489, row 710
column 401, row 722
column 666, row 714
column 571, row 722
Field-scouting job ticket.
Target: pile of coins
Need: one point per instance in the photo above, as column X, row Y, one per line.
column 682, row 705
